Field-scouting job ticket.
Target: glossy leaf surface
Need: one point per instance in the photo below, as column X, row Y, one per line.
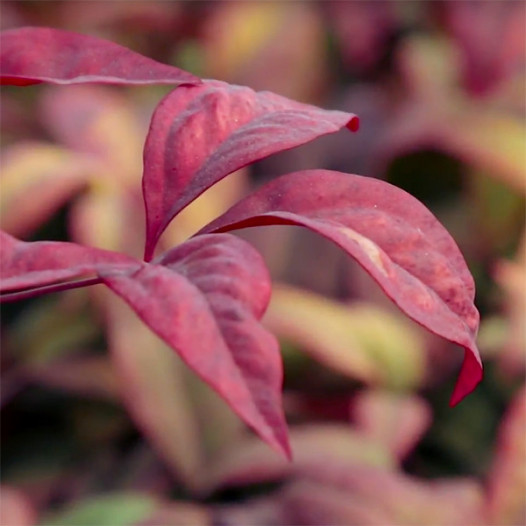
column 198, row 135
column 204, row 298
column 30, row 55
column 391, row 235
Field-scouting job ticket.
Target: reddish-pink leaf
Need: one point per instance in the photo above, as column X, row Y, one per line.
column 30, row 55
column 198, row 135
column 28, row 265
column 401, row 499
column 505, row 499
column 204, row 298
column 391, row 235
column 16, row 507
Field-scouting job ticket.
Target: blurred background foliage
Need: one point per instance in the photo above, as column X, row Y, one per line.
column 103, row 425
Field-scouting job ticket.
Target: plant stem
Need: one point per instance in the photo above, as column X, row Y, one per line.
column 55, row 287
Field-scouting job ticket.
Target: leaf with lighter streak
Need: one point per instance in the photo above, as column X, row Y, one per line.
column 393, row 236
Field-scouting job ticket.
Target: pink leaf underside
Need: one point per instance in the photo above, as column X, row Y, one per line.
column 198, row 135
column 391, row 235
column 30, row 265
column 204, row 298
column 30, row 55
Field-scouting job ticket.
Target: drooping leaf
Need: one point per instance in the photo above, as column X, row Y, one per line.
column 391, row 235
column 204, row 298
column 198, row 135
column 27, row 265
column 152, row 388
column 30, row 55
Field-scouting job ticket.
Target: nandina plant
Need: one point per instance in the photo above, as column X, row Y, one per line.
column 206, row 297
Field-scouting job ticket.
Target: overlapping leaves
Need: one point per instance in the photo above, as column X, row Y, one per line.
column 205, row 297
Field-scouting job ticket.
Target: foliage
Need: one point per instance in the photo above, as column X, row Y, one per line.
column 206, row 297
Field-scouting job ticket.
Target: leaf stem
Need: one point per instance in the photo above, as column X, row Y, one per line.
column 55, row 287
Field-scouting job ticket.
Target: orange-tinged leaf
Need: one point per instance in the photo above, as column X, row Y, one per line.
column 234, row 34
column 37, row 178
column 511, row 276
column 359, row 340
column 60, row 328
column 277, row 46
column 440, row 115
column 206, row 208
column 108, row 216
column 397, row 421
column 492, row 141
column 97, row 121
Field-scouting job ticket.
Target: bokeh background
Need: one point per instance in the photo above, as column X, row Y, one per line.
column 103, row 425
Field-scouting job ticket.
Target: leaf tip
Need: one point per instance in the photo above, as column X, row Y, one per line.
column 278, row 440
column 469, row 378
column 353, row 124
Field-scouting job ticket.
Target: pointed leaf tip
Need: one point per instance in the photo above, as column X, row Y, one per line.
column 469, row 377
column 393, row 236
column 198, row 135
column 205, row 298
column 353, row 124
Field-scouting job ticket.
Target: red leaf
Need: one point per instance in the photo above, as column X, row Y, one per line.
column 204, row 298
column 28, row 265
column 392, row 235
column 30, row 55
column 198, row 135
